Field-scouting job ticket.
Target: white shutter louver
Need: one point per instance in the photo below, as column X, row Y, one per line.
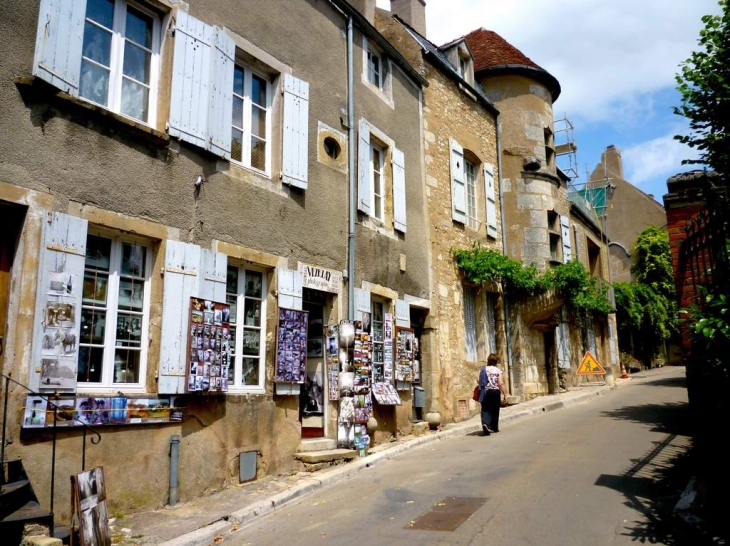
column 59, row 43
column 295, row 137
column 491, row 200
column 362, row 303
column 220, row 107
column 563, row 345
column 399, row 191
column 214, row 266
column 363, row 169
column 458, row 183
column 565, row 236
column 289, row 288
column 402, row 313
column 181, row 282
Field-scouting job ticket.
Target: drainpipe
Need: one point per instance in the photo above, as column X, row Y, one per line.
column 351, row 177
column 504, row 251
column 174, row 461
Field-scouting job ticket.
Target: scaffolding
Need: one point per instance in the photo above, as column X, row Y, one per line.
column 566, row 150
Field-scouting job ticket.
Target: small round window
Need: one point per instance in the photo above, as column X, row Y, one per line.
column 332, row 147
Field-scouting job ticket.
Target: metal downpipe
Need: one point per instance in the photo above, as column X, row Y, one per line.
column 351, row 177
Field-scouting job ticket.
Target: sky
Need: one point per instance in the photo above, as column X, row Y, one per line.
column 616, row 62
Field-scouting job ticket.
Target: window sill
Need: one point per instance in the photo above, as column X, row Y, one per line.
column 33, row 86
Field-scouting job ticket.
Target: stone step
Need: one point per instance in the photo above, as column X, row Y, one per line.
column 317, row 444
column 328, row 456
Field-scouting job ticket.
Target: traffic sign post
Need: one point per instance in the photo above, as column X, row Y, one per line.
column 590, row 366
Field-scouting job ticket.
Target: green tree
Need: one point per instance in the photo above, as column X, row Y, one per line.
column 704, row 83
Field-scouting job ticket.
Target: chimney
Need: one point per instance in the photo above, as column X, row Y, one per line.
column 612, row 160
column 413, row 12
column 366, row 9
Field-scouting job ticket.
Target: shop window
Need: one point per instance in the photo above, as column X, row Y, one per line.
column 251, row 119
column 470, row 323
column 246, row 294
column 114, row 313
column 378, row 315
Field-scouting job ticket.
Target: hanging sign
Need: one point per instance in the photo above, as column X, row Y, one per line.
column 590, row 366
column 319, row 278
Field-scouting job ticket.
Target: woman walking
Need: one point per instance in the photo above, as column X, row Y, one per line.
column 490, row 386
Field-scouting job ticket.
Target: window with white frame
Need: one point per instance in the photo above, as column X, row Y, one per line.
column 251, row 119
column 114, row 313
column 470, row 172
column 377, row 179
column 246, row 294
column 119, row 58
column 470, row 323
column 375, row 67
column 378, row 314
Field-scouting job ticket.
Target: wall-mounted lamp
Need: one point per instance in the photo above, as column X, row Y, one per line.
column 199, row 181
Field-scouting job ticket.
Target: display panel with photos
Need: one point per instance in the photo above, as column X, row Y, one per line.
column 88, row 498
column 208, row 346
column 291, row 346
column 404, row 353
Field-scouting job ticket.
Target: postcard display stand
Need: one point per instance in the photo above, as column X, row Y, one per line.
column 356, row 406
column 209, row 346
column 405, row 350
column 89, row 508
column 384, row 391
column 332, row 355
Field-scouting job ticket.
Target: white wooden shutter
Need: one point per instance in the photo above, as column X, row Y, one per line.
column 612, row 344
column 59, row 43
column 591, row 337
column 295, row 137
column 363, row 169
column 191, row 71
column 565, row 236
column 181, row 282
column 214, row 266
column 458, row 183
column 561, row 333
column 399, row 190
column 362, row 302
column 402, row 313
column 470, row 324
column 220, row 107
column 289, row 287
column 491, row 200
column 63, row 251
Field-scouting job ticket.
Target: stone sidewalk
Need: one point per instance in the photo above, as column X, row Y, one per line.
column 198, row 522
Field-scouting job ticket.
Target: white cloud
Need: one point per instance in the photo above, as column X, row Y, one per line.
column 659, row 157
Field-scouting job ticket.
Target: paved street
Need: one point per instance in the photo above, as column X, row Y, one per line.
column 604, row 472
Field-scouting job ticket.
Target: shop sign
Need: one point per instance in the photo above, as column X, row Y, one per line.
column 319, row 278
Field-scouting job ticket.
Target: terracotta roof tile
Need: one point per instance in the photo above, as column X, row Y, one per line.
column 490, row 49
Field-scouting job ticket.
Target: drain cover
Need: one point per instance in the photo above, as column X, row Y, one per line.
column 447, row 514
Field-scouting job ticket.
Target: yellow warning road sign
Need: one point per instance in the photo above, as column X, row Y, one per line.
column 590, row 366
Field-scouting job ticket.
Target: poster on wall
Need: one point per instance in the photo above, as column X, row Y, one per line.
column 209, row 346
column 88, row 493
column 291, row 346
column 60, row 338
column 332, row 361
column 404, row 354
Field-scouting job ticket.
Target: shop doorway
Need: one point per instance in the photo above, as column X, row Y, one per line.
column 13, row 216
column 313, row 399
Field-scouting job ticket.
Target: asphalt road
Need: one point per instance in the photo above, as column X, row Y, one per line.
column 601, row 473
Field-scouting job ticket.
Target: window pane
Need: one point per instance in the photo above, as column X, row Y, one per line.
column 98, row 252
column 378, row 207
column 251, row 342
column 126, row 366
column 232, row 284
column 93, row 326
column 254, row 281
column 95, row 286
column 139, row 28
column 238, row 81
column 250, row 371
column 234, row 308
column 232, row 342
column 258, row 122
column 133, row 259
column 97, row 44
column 94, row 83
column 237, row 112
column 90, row 359
column 137, row 63
column 101, row 11
column 253, row 313
column 135, row 99
column 129, row 330
column 258, row 154
column 258, row 91
column 236, row 145
column 131, row 295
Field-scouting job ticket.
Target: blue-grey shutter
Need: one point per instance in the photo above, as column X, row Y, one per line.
column 363, row 169
column 399, row 190
column 402, row 314
column 181, row 282
column 59, row 42
column 289, row 288
column 563, row 345
column 470, row 324
column 565, row 236
column 191, row 69
column 362, row 302
column 222, row 62
column 213, row 268
column 491, row 200
column 63, row 252
column 458, row 183
column 491, row 322
column 295, row 137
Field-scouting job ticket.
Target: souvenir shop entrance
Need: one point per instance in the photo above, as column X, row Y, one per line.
column 313, row 400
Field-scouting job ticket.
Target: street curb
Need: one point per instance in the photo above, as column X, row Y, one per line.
column 244, row 517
